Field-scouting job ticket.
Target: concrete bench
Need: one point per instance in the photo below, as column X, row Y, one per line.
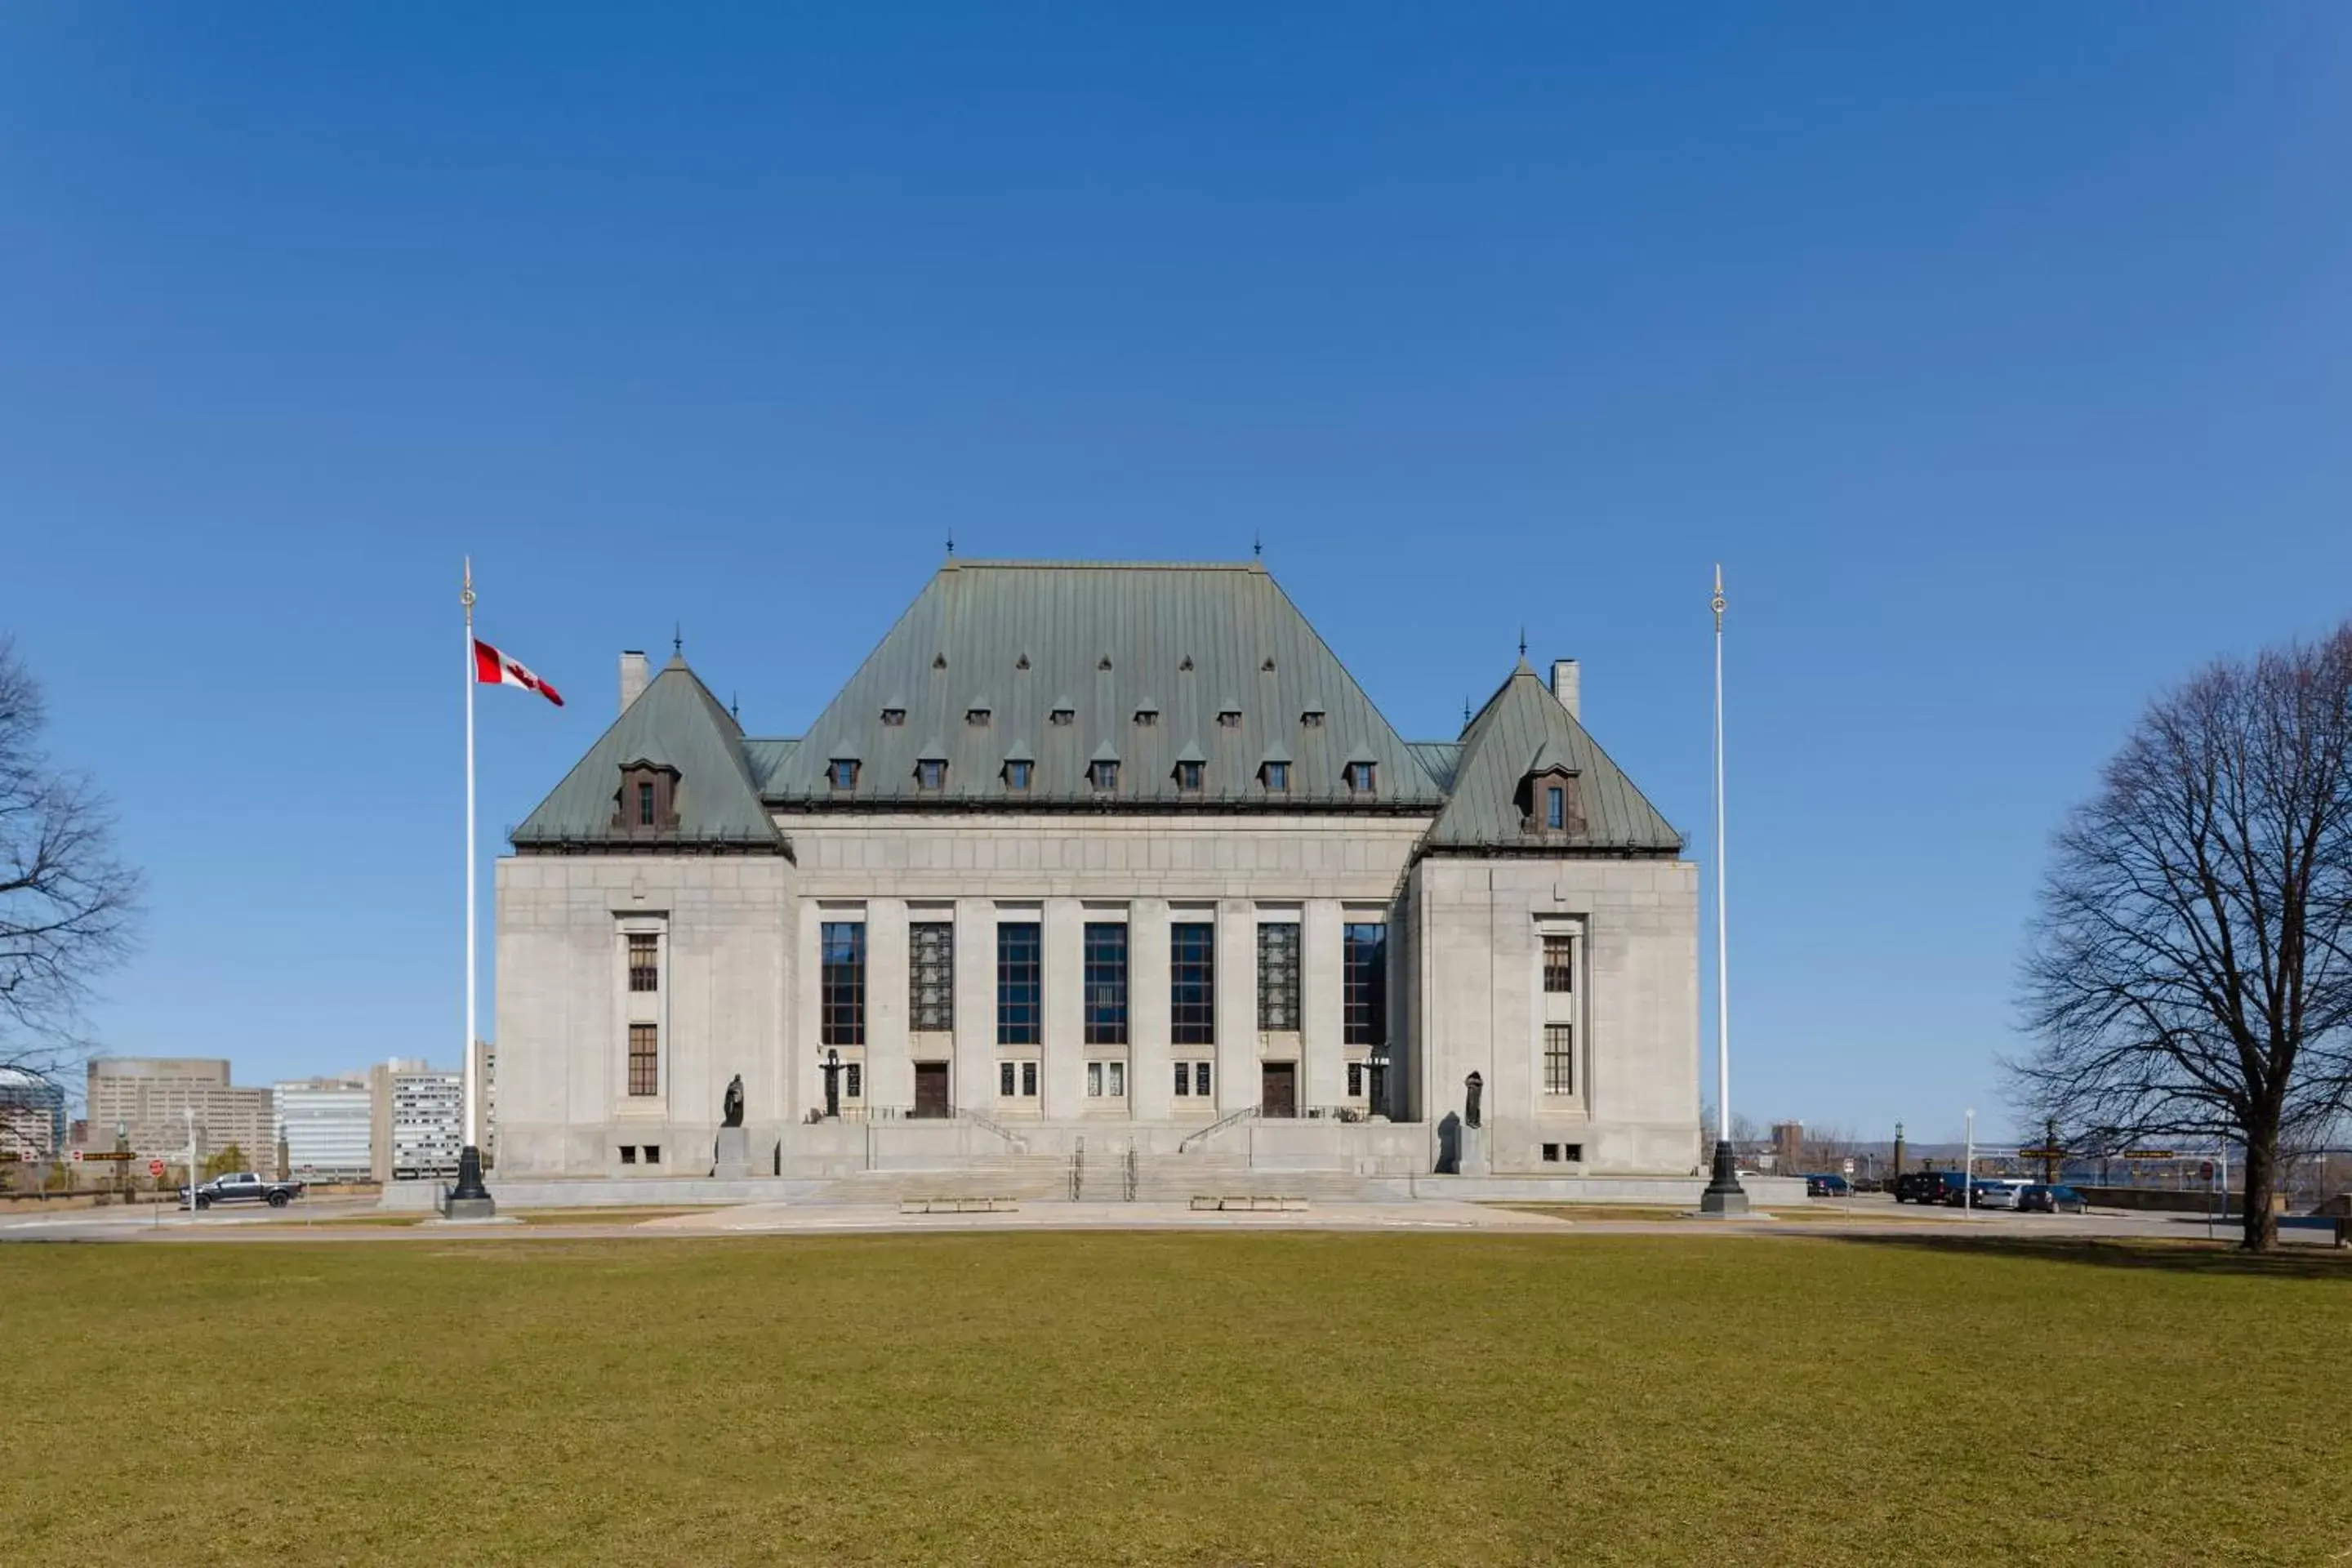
column 1249, row 1202
column 959, row 1205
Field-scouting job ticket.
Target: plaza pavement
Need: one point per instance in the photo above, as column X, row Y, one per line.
column 360, row 1220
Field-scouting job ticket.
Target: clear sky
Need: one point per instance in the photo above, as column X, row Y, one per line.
column 2003, row 355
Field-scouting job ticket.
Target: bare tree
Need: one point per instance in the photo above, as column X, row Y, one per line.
column 66, row 902
column 2189, row 973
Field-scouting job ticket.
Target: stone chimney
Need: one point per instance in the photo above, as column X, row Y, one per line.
column 1567, row 685
column 633, row 676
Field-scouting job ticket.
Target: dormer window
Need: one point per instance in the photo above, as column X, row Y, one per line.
column 1276, row 777
column 1103, row 776
column 1147, row 717
column 1229, row 719
column 646, row 802
column 1359, row 778
column 894, row 717
column 1061, row 716
column 1188, row 778
column 1017, row 773
column 843, row 774
column 1549, row 800
column 1312, row 719
column 931, row 774
column 976, row 717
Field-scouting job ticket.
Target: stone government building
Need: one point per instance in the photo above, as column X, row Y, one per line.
column 1112, row 853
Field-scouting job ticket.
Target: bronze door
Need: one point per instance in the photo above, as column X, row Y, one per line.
column 1280, row 1082
column 931, row 1088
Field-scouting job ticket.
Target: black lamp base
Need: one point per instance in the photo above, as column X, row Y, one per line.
column 469, row 1199
column 1725, row 1198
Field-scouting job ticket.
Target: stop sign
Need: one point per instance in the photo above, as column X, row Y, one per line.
column 155, row 1169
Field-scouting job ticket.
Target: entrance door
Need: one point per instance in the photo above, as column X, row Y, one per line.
column 1280, row 1082
column 931, row 1088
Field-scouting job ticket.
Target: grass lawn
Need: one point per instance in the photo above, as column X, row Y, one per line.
column 1174, row 1398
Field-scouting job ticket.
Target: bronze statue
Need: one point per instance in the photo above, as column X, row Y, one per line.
column 830, row 1067
column 733, row 1110
column 1471, row 1086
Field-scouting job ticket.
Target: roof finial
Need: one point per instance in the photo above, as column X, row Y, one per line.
column 1466, row 707
column 734, row 706
column 951, row 543
column 677, row 639
column 1523, row 644
column 1257, row 543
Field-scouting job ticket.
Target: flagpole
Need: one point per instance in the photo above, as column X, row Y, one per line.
column 1723, row 1194
column 469, row 1199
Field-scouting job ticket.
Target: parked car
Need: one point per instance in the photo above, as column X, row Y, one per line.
column 1993, row 1192
column 1828, row 1185
column 243, row 1187
column 2037, row 1197
column 1928, row 1187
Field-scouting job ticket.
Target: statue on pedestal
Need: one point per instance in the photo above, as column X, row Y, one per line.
column 1473, row 1088
column 731, row 1113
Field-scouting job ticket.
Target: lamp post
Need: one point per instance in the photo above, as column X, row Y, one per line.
column 1724, row 1197
column 1968, row 1165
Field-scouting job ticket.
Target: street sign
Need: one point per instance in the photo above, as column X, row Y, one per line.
column 1849, row 1167
column 103, row 1154
column 155, row 1169
column 2149, row 1155
column 2042, row 1153
column 76, row 1155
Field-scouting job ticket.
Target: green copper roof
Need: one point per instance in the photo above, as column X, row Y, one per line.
column 1522, row 730
column 1107, row 641
column 676, row 723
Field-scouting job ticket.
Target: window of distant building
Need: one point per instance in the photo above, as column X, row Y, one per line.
column 842, row 982
column 1019, row 983
column 1106, row 982
column 1277, row 975
column 644, row 962
column 1558, row 963
column 931, row 976
column 1192, row 984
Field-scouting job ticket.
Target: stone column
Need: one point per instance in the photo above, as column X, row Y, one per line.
column 974, row 1088
column 1065, row 1085
column 1238, row 1084
column 1321, row 1012
column 889, row 1067
column 1146, row 1011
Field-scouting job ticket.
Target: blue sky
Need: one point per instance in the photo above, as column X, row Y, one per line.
column 2003, row 355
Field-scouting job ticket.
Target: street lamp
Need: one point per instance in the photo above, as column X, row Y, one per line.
column 1724, row 1196
column 1969, row 1165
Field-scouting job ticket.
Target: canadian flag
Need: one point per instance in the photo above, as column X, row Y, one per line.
column 492, row 667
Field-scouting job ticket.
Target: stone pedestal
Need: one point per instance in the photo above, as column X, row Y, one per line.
column 1473, row 1151
column 1725, row 1198
column 469, row 1199
column 731, row 1160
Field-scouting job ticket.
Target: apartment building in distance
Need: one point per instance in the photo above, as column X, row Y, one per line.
column 151, row 1100
column 326, row 1124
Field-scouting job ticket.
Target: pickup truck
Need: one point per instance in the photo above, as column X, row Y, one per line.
column 244, row 1187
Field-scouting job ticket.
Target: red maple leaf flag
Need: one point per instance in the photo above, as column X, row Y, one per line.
column 492, row 667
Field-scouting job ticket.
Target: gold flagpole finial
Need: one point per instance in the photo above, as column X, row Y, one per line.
column 1716, row 603
column 465, row 593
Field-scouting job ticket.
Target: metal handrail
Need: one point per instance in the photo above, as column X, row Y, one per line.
column 977, row 1120
column 1219, row 1125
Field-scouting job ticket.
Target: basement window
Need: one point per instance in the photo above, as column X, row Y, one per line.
column 652, row 1154
column 628, row 1153
column 1563, row 1153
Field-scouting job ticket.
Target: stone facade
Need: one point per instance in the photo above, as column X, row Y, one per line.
column 709, row 954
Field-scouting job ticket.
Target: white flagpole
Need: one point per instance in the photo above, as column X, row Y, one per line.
column 1724, row 1196
column 1722, row 946
column 466, row 1061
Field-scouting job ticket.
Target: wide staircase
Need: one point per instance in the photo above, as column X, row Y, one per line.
column 1097, row 1174
column 1008, row 1176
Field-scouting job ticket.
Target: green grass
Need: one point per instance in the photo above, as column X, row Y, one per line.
column 1175, row 1398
